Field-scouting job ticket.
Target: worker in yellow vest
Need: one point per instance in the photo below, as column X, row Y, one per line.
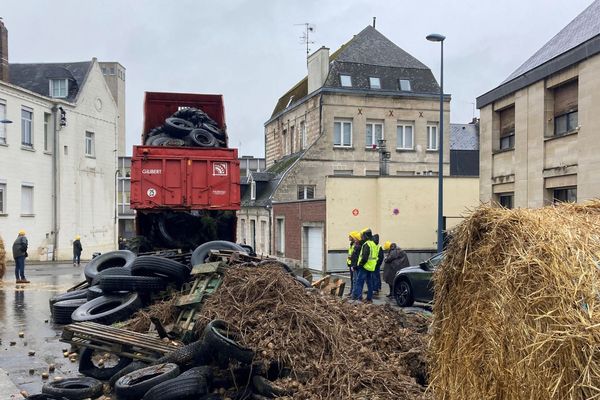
column 352, row 259
column 377, row 273
column 367, row 262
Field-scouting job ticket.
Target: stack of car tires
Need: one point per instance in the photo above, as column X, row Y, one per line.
column 189, row 127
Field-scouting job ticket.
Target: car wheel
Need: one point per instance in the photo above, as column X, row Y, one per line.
column 403, row 294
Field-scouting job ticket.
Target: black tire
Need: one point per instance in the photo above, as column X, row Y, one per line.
column 75, row 294
column 202, row 138
column 151, row 139
column 303, row 281
column 195, row 353
column 168, row 141
column 161, row 267
column 108, row 309
column 217, row 133
column 94, row 292
column 88, row 368
column 112, row 284
column 220, row 337
column 403, row 293
column 43, row 396
column 120, row 271
column 267, row 388
column 62, row 310
column 201, row 252
column 178, row 127
column 281, row 264
column 74, row 388
column 187, row 386
column 134, row 366
column 134, row 385
column 119, row 258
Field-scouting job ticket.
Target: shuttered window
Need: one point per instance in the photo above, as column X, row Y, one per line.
column 566, row 117
column 507, row 128
column 26, row 200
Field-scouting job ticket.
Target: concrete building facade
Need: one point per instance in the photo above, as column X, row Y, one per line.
column 58, row 158
column 539, row 127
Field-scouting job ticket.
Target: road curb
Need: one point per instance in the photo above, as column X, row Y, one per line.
column 7, row 386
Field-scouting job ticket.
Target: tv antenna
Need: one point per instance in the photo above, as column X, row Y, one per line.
column 305, row 38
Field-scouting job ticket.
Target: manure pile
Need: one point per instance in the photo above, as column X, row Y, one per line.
column 334, row 349
column 517, row 307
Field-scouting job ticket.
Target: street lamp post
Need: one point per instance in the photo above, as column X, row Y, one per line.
column 436, row 37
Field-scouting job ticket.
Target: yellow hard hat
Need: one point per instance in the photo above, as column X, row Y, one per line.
column 77, row 237
column 387, row 245
column 22, row 232
column 355, row 235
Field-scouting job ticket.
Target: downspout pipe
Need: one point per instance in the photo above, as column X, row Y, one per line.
column 55, row 182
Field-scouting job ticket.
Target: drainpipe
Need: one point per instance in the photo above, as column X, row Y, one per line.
column 55, row 181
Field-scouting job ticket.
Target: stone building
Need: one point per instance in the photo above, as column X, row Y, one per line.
column 58, row 156
column 331, row 124
column 539, row 127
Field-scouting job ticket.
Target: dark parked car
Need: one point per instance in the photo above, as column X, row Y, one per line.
column 414, row 283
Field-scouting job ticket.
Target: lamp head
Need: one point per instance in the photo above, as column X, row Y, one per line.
column 435, row 37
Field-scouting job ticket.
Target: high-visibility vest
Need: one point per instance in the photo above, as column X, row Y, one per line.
column 350, row 251
column 373, row 254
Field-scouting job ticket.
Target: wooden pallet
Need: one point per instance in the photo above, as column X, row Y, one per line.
column 121, row 342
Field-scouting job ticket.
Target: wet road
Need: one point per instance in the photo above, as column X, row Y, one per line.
column 24, row 308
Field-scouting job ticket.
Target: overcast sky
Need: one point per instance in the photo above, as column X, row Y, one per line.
column 250, row 51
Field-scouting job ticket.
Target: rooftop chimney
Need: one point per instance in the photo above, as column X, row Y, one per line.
column 3, row 52
column 318, row 69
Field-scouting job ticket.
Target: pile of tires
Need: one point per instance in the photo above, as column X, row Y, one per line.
column 190, row 127
column 119, row 283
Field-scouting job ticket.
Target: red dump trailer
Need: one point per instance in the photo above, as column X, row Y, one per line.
column 183, row 195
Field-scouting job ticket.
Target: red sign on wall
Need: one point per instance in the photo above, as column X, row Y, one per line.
column 355, row 212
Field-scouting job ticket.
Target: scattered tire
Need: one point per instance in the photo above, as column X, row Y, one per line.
column 103, row 373
column 202, row 251
column 283, row 265
column 303, row 281
column 134, row 366
column 74, row 388
column 107, row 309
column 203, row 138
column 43, row 396
column 178, row 127
column 119, row 258
column 75, row 294
column 267, row 388
column 196, row 353
column 220, row 337
column 111, row 284
column 94, row 292
column 161, row 267
column 134, row 385
column 62, row 310
column 120, row 271
column 189, row 385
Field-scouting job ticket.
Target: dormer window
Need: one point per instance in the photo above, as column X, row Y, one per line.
column 404, row 85
column 59, row 88
column 252, row 190
column 375, row 83
column 346, row 80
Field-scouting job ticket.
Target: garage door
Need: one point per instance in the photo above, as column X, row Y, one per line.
column 315, row 248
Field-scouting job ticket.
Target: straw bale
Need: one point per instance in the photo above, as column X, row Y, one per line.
column 2, row 258
column 336, row 350
column 517, row 306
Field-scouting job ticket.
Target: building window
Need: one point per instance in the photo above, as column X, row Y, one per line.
column 564, row 195
column 2, row 126
column 346, row 80
column 566, row 118
column 263, row 237
column 404, row 85
column 26, row 199
column 59, row 88
column 507, row 128
column 342, row 133
column 280, row 237
column 2, row 198
column 374, row 133
column 303, row 135
column 404, row 136
column 306, row 192
column 342, row 172
column 292, row 129
column 26, row 127
column 375, row 83
column 243, row 230
column 46, row 132
column 89, row 144
column 432, row 137
column 285, row 143
column 253, row 190
column 253, row 234
column 506, row 200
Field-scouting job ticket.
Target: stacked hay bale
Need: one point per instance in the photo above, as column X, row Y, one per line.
column 2, row 258
column 517, row 307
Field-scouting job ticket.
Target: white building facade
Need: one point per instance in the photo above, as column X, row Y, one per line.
column 58, row 158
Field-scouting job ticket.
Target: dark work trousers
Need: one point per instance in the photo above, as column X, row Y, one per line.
column 362, row 276
column 20, row 268
column 377, row 279
column 76, row 258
